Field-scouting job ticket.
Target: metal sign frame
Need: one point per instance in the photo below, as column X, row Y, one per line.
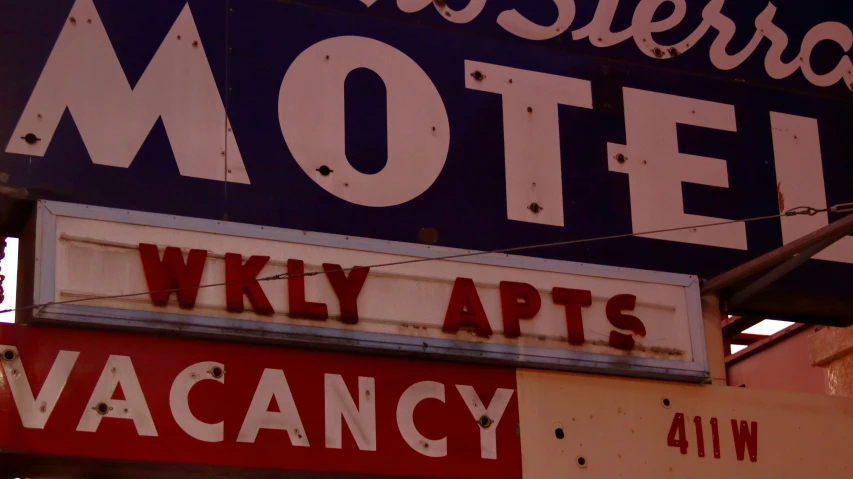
column 695, row 370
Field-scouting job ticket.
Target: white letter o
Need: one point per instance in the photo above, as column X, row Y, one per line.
column 311, row 113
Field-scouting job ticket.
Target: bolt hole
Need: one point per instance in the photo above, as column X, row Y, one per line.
column 30, row 138
column 673, row 51
column 529, row 109
column 478, row 75
column 535, row 207
column 484, row 421
column 559, row 433
column 581, row 461
column 217, row 372
column 658, row 52
column 324, row 170
column 179, row 37
column 621, row 158
column 9, row 355
column 666, row 402
column 102, row 408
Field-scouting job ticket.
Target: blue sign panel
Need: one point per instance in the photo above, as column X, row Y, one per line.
column 493, row 123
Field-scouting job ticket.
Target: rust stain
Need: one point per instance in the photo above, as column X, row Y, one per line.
column 781, row 197
column 643, row 349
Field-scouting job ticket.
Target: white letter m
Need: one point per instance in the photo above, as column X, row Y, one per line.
column 83, row 74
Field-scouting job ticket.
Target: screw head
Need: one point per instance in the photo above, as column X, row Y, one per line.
column 102, row 408
column 217, row 372
column 9, row 355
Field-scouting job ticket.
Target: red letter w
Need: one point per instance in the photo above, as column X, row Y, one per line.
column 172, row 274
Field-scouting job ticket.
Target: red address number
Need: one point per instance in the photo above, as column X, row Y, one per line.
column 745, row 437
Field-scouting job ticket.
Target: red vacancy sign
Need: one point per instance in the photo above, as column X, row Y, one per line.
column 103, row 395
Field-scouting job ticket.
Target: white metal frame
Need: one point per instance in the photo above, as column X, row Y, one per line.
column 696, row 370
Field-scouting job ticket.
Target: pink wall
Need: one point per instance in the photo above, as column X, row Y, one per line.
column 781, row 366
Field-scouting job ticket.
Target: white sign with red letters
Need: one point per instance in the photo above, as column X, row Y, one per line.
column 135, row 269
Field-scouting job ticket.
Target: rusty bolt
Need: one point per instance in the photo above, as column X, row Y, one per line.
column 658, row 52
column 43, row 407
column 484, row 421
column 529, row 109
column 9, row 355
column 31, row 138
column 478, row 75
column 673, row 51
column 535, row 208
column 73, row 20
column 428, row 235
column 179, row 37
column 621, row 158
column 325, row 170
column 89, row 21
column 217, row 372
column 195, row 43
column 102, row 408
column 327, row 57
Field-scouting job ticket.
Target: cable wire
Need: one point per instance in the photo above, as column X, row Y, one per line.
column 798, row 211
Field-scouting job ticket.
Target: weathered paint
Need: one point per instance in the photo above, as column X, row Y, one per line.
column 634, row 428
column 487, row 307
column 832, row 348
column 370, row 119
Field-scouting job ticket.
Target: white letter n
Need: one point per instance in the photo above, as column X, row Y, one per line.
column 83, row 74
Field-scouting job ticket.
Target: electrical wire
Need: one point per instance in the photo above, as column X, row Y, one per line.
column 798, row 211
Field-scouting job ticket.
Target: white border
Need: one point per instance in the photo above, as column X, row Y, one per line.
column 44, row 292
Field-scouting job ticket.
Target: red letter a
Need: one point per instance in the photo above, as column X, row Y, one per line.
column 172, row 274
column 465, row 310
